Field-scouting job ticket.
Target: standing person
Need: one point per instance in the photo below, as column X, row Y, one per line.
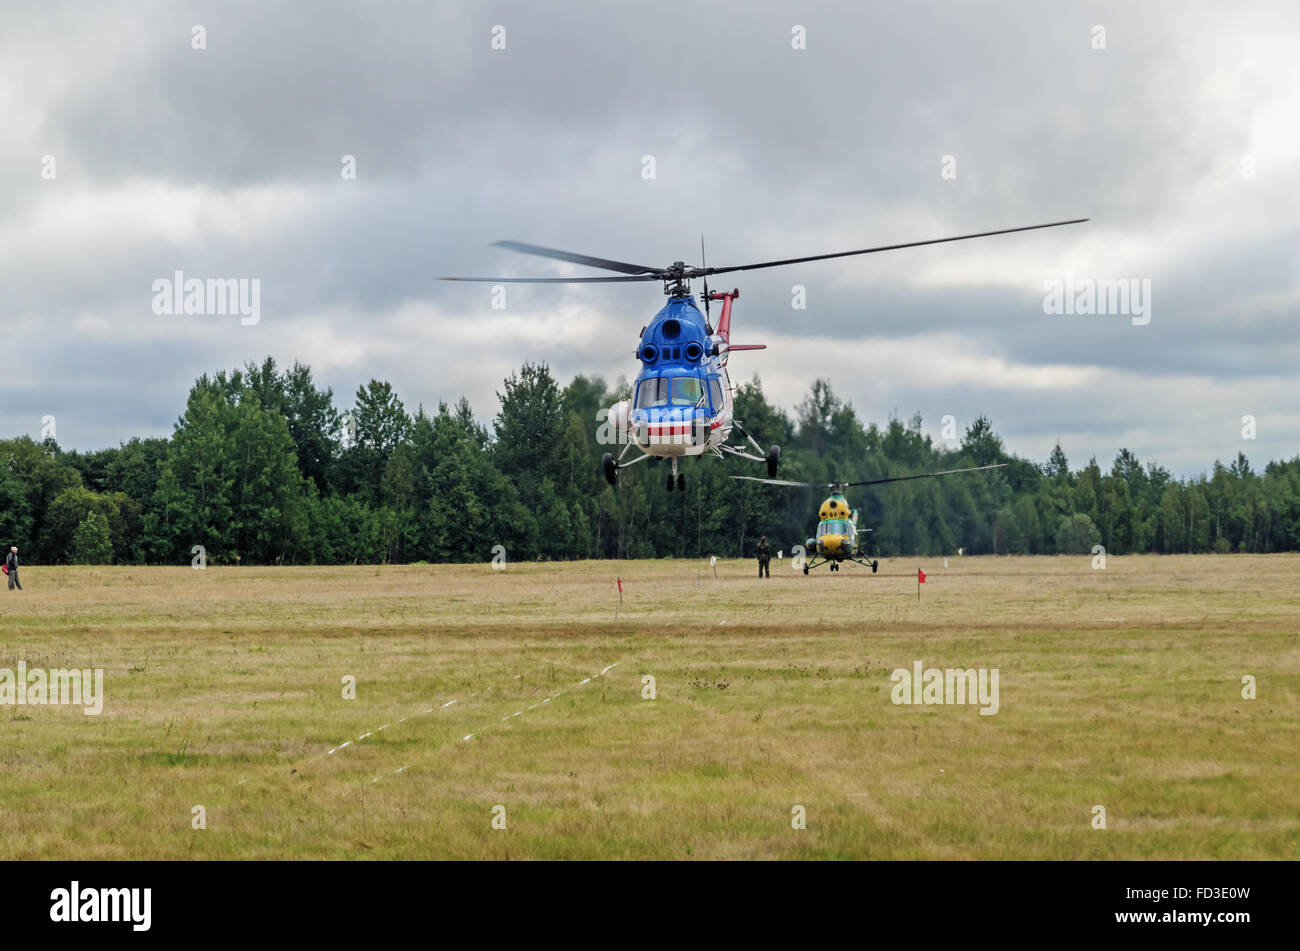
column 12, row 561
column 764, row 558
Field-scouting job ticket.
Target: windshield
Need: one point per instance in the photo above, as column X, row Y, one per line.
column 652, row 392
column 655, row 391
column 687, row 389
column 833, row 526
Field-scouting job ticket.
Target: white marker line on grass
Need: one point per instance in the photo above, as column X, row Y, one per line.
column 470, row 736
column 387, row 725
column 403, row 720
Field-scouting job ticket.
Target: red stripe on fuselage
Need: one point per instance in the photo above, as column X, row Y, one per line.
column 676, row 430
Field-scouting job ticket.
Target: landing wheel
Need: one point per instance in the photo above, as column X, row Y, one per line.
column 681, row 482
column 671, row 480
column 610, row 468
column 773, row 460
column 805, row 569
column 874, row 566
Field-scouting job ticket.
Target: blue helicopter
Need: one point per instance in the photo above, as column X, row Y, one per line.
column 682, row 402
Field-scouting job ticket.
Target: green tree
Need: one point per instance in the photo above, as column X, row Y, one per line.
column 529, row 427
column 982, row 443
column 379, row 424
column 230, row 483
column 266, row 487
column 255, row 471
column 193, row 499
column 92, row 544
column 1058, row 466
column 1076, row 534
column 314, row 423
column 36, row 474
column 66, row 513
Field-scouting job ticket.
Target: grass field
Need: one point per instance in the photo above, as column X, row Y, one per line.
column 224, row 689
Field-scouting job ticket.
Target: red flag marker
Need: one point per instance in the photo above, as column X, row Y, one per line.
column 920, row 580
column 620, row 585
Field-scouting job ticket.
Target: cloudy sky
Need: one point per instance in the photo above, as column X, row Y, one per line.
column 127, row 154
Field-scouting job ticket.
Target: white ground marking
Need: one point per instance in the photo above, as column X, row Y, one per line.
column 402, row 720
column 470, row 736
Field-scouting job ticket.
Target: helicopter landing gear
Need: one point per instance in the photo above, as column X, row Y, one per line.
column 835, row 566
column 874, row 566
column 677, row 477
column 805, row 569
column 773, row 460
column 610, row 468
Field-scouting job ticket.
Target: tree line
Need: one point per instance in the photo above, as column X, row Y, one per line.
column 264, row 468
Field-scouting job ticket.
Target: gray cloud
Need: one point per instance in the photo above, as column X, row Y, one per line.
column 225, row 163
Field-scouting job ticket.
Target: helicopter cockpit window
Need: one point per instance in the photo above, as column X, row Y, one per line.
column 833, row 526
column 715, row 393
column 687, row 389
column 652, row 392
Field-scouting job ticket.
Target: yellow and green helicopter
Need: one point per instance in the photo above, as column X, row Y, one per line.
column 838, row 537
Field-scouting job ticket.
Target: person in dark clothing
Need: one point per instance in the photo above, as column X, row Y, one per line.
column 12, row 561
column 764, row 558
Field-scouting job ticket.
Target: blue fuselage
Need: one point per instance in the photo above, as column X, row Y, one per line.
column 682, row 398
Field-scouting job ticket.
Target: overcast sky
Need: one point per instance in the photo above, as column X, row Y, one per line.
column 1180, row 140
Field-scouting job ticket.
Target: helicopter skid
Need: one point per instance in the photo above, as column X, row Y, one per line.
column 836, row 562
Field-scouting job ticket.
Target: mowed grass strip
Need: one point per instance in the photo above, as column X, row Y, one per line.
column 224, row 689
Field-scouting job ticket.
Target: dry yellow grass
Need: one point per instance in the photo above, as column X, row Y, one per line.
column 1119, row 688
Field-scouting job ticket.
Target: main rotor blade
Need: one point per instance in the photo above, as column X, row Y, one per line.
column 553, row 280
column 588, row 260
column 835, row 485
column 798, row 485
column 925, row 475
column 889, row 247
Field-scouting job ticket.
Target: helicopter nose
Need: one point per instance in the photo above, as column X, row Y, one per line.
column 832, row 544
